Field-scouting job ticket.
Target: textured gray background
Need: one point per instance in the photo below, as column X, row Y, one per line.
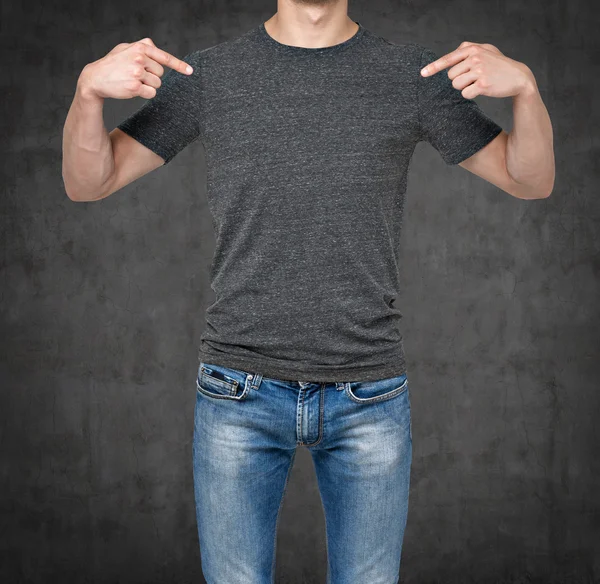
column 102, row 306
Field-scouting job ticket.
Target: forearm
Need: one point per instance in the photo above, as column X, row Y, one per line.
column 88, row 159
column 529, row 148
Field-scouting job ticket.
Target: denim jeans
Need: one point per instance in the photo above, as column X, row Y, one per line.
column 246, row 430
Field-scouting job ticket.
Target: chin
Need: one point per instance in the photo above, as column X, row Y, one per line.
column 315, row 2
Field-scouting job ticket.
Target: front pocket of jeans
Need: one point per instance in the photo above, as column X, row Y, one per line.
column 214, row 383
column 366, row 392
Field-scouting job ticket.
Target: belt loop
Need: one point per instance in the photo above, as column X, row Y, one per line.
column 256, row 379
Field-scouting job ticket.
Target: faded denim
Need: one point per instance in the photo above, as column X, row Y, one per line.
column 246, row 431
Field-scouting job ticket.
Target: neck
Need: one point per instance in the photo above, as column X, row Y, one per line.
column 311, row 24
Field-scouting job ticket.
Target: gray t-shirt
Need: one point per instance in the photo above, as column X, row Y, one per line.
column 307, row 153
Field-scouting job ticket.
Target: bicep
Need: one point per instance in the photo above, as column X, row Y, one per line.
column 132, row 160
column 158, row 130
column 489, row 163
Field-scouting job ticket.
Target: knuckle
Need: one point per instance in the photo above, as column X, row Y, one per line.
column 137, row 72
column 133, row 85
column 138, row 58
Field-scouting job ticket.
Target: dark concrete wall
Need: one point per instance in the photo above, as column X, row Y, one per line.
column 102, row 306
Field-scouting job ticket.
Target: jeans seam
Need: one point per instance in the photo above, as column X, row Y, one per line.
column 287, row 478
column 321, row 416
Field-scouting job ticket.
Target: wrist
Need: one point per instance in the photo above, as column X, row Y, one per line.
column 85, row 90
column 529, row 86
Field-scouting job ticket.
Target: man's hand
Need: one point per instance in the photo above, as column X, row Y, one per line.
column 129, row 70
column 481, row 69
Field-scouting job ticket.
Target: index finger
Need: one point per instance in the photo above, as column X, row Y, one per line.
column 167, row 59
column 445, row 61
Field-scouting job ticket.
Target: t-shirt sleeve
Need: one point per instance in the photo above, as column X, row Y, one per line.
column 168, row 122
column 454, row 125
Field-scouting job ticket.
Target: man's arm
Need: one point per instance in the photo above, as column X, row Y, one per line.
column 97, row 163
column 522, row 162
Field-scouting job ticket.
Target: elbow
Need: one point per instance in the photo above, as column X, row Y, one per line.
column 550, row 187
column 77, row 189
column 78, row 196
column 70, row 192
column 538, row 185
column 72, row 196
column 83, row 198
column 531, row 195
column 531, row 192
column 537, row 194
column 547, row 191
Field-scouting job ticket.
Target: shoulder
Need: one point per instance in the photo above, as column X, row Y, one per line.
column 420, row 53
column 224, row 49
column 404, row 49
column 407, row 56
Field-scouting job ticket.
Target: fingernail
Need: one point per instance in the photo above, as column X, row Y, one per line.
column 188, row 69
column 424, row 71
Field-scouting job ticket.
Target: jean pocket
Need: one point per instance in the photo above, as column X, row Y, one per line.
column 221, row 382
column 366, row 392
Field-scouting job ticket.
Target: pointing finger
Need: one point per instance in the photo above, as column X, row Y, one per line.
column 446, row 60
column 167, row 59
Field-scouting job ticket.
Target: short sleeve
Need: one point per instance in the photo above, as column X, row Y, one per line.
column 168, row 122
column 454, row 125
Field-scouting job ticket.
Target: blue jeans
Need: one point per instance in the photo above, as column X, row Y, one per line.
column 246, row 430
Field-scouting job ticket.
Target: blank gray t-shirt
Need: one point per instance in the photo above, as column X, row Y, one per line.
column 307, row 153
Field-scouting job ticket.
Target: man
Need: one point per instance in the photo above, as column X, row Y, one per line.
column 308, row 122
